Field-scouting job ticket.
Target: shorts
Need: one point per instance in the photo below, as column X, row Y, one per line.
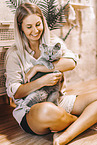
column 67, row 102
column 24, row 125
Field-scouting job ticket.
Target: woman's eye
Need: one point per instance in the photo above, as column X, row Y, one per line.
column 38, row 24
column 29, row 27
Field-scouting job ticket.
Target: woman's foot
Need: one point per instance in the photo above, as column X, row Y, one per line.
column 59, row 139
column 62, row 137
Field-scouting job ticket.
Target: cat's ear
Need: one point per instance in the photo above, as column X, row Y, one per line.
column 44, row 45
column 57, row 46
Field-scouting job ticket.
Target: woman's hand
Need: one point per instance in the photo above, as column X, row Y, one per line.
column 51, row 79
column 34, row 70
column 30, row 73
column 46, row 80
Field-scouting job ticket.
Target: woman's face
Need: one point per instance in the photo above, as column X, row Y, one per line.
column 32, row 26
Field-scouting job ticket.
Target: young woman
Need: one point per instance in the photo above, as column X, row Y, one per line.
column 31, row 31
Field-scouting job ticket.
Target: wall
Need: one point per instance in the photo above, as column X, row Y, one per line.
column 82, row 40
column 5, row 12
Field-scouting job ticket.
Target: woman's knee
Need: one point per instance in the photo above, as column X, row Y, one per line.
column 37, row 118
column 48, row 111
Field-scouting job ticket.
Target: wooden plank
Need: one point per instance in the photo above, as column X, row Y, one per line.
column 83, row 87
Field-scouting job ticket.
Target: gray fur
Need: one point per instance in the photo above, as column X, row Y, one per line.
column 47, row 93
column 50, row 54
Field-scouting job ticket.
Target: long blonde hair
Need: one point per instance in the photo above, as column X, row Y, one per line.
column 23, row 11
column 21, row 41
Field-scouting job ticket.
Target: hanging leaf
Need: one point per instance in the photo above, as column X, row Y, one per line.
column 13, row 4
column 68, row 32
column 52, row 13
column 34, row 1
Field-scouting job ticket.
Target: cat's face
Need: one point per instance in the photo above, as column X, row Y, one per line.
column 52, row 53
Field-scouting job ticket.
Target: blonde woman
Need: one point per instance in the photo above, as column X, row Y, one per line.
column 31, row 31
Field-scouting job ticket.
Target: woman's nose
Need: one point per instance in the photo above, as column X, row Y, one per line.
column 34, row 30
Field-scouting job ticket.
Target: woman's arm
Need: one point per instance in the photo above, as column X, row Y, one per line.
column 63, row 64
column 46, row 80
column 27, row 88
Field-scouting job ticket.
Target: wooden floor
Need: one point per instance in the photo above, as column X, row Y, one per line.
column 12, row 134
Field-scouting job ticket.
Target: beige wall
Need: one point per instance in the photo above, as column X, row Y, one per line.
column 82, row 40
column 5, row 12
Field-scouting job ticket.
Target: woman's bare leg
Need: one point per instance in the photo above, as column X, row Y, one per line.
column 82, row 101
column 87, row 105
column 45, row 117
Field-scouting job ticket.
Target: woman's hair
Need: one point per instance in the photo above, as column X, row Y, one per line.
column 21, row 13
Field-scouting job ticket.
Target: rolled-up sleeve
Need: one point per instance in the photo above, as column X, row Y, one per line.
column 13, row 74
column 68, row 53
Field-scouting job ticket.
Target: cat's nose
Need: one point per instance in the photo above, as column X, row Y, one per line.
column 49, row 57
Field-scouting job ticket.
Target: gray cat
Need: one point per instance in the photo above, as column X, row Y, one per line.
column 50, row 54
column 47, row 93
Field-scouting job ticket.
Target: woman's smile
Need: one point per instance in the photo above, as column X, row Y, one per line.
column 34, row 35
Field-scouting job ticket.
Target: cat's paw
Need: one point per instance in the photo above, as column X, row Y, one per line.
column 43, row 94
column 56, row 71
column 39, row 63
column 50, row 66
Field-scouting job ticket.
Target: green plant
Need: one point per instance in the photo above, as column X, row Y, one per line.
column 53, row 14
column 13, row 4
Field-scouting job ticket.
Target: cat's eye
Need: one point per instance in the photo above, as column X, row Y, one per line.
column 53, row 52
column 44, row 45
